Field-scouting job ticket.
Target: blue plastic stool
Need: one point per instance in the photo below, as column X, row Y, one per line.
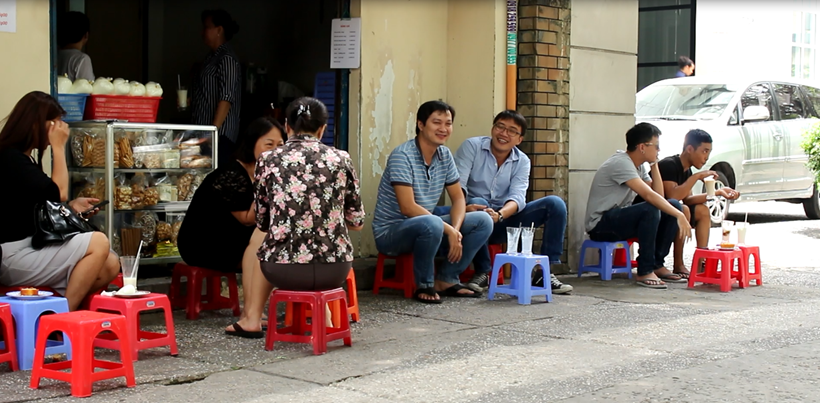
column 520, row 277
column 605, row 266
column 26, row 315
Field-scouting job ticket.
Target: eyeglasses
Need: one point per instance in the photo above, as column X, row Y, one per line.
column 657, row 146
column 509, row 130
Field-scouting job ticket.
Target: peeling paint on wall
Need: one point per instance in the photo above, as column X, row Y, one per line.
column 412, row 102
column 383, row 118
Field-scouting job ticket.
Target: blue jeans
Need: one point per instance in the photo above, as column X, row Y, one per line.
column 550, row 211
column 655, row 232
column 424, row 235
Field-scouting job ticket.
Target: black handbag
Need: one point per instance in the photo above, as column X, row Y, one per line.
column 55, row 224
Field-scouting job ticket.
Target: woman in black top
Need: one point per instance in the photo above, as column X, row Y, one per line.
column 75, row 268
column 219, row 232
column 217, row 91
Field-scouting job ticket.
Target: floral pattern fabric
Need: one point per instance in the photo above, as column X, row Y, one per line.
column 306, row 195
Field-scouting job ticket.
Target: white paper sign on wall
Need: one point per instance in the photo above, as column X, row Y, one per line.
column 345, row 43
column 8, row 15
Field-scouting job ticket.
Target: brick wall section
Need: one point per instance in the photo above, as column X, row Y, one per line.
column 543, row 94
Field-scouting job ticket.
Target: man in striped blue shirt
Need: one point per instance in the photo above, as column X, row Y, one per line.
column 495, row 175
column 416, row 174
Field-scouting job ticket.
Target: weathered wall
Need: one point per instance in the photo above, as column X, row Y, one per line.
column 25, row 54
column 415, row 51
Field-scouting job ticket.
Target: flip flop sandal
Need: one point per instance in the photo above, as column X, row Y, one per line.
column 651, row 283
column 454, row 292
column 682, row 275
column 426, row 291
column 240, row 332
column 673, row 278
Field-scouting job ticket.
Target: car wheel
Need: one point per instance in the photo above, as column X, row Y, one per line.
column 812, row 206
column 719, row 206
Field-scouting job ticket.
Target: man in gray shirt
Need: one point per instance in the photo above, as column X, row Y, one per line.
column 612, row 217
column 72, row 35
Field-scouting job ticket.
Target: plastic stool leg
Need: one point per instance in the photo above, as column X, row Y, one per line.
column 726, row 274
column 606, row 262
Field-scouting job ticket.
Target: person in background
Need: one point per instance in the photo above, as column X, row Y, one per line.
column 72, row 35
column 686, row 67
column 495, row 176
column 218, row 231
column 81, row 265
column 217, row 89
column 611, row 216
column 417, row 172
column 307, row 198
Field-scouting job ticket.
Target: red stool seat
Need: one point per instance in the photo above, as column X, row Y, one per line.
column 320, row 334
column 131, row 308
column 213, row 300
column 747, row 275
column 82, row 328
column 9, row 351
column 335, row 306
column 404, row 279
column 710, row 275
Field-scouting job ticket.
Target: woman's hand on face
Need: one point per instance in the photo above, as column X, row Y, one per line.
column 81, row 204
column 57, row 132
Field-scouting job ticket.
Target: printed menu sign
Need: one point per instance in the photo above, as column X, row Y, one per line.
column 345, row 43
column 8, row 15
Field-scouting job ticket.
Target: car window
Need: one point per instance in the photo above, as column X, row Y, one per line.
column 789, row 101
column 760, row 95
column 813, row 96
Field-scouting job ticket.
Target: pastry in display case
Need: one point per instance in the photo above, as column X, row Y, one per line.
column 149, row 172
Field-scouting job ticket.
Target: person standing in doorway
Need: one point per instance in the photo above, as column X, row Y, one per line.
column 72, row 35
column 686, row 67
column 217, row 91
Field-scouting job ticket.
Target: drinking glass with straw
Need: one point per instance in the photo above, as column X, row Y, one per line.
column 527, row 235
column 182, row 95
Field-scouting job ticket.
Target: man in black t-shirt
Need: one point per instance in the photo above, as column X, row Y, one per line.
column 678, row 180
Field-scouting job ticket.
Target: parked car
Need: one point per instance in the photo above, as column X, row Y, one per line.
column 756, row 128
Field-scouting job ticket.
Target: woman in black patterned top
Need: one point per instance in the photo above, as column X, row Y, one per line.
column 307, row 197
column 218, row 231
column 217, row 91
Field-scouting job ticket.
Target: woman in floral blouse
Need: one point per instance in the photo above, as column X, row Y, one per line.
column 307, row 198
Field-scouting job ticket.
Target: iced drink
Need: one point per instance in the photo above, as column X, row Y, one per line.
column 132, row 281
column 129, row 270
column 527, row 235
column 726, row 226
column 182, row 99
column 741, row 232
column 512, row 240
column 709, row 183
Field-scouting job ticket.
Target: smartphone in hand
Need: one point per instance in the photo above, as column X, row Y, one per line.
column 94, row 207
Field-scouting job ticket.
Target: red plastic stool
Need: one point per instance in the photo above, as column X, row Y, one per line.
column 9, row 351
column 467, row 275
column 747, row 276
column 131, row 308
column 193, row 303
column 710, row 275
column 619, row 257
column 335, row 306
column 320, row 334
column 404, row 278
column 82, row 327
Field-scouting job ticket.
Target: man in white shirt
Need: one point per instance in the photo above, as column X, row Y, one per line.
column 72, row 35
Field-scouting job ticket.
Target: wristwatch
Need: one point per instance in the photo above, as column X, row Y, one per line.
column 500, row 217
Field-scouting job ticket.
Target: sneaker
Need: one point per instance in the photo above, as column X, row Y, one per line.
column 479, row 282
column 557, row 286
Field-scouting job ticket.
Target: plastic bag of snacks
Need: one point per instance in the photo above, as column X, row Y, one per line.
column 148, row 227
column 167, row 190
column 175, row 219
column 123, row 195
column 123, row 150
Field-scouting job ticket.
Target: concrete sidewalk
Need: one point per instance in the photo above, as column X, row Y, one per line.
column 607, row 341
